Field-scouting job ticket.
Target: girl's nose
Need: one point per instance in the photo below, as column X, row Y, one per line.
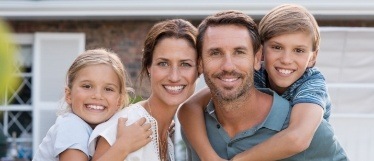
column 97, row 95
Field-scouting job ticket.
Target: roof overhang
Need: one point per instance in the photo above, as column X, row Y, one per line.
column 157, row 9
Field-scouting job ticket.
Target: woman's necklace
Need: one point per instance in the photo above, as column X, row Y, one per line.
column 162, row 144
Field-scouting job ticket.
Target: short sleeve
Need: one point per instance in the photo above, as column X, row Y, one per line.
column 260, row 77
column 312, row 89
column 72, row 134
column 107, row 130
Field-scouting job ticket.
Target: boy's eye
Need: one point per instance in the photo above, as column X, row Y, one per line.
column 276, row 47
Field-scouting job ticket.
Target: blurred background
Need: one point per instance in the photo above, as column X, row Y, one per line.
column 48, row 34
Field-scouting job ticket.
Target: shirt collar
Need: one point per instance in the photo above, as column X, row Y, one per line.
column 279, row 111
column 277, row 116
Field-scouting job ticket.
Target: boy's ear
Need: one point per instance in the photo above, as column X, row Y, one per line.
column 262, row 55
column 313, row 59
column 258, row 59
column 68, row 95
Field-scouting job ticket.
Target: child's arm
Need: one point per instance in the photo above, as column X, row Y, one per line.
column 191, row 117
column 310, row 101
column 304, row 121
column 73, row 154
column 129, row 139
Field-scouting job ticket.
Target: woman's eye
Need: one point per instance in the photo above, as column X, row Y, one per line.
column 163, row 64
column 276, row 47
column 109, row 89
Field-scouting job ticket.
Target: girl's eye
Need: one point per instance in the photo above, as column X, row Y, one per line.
column 86, row 86
column 299, row 50
column 109, row 89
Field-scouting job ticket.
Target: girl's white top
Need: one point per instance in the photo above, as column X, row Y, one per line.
column 134, row 112
column 69, row 132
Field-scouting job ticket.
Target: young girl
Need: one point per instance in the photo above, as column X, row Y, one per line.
column 170, row 62
column 290, row 38
column 96, row 89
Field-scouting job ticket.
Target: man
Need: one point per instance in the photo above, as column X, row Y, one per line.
column 239, row 116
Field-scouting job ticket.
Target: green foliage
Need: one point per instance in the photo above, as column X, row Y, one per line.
column 7, row 60
column 135, row 99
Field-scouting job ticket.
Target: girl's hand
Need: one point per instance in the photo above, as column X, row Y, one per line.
column 134, row 136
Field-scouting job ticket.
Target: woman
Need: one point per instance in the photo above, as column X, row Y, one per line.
column 170, row 62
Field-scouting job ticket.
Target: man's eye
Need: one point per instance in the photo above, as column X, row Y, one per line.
column 186, row 65
column 214, row 53
column 240, row 52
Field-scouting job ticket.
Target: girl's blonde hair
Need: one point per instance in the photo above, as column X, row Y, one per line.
column 101, row 56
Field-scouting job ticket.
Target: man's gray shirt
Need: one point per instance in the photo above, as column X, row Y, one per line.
column 324, row 145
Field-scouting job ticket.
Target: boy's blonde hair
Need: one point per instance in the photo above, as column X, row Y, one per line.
column 289, row 18
column 101, row 56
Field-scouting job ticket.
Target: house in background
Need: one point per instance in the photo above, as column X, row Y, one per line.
column 51, row 33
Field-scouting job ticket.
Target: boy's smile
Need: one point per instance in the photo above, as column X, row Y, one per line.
column 286, row 58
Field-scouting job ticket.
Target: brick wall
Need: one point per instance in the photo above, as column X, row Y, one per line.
column 125, row 37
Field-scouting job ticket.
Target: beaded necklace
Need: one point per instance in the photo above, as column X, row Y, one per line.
column 162, row 144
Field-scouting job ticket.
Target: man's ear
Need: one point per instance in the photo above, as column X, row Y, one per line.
column 200, row 67
column 68, row 95
column 313, row 59
column 258, row 59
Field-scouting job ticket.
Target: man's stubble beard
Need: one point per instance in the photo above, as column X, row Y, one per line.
column 227, row 96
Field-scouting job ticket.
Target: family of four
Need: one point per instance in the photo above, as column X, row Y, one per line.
column 265, row 100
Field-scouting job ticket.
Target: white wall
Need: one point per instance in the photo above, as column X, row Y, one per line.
column 346, row 59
